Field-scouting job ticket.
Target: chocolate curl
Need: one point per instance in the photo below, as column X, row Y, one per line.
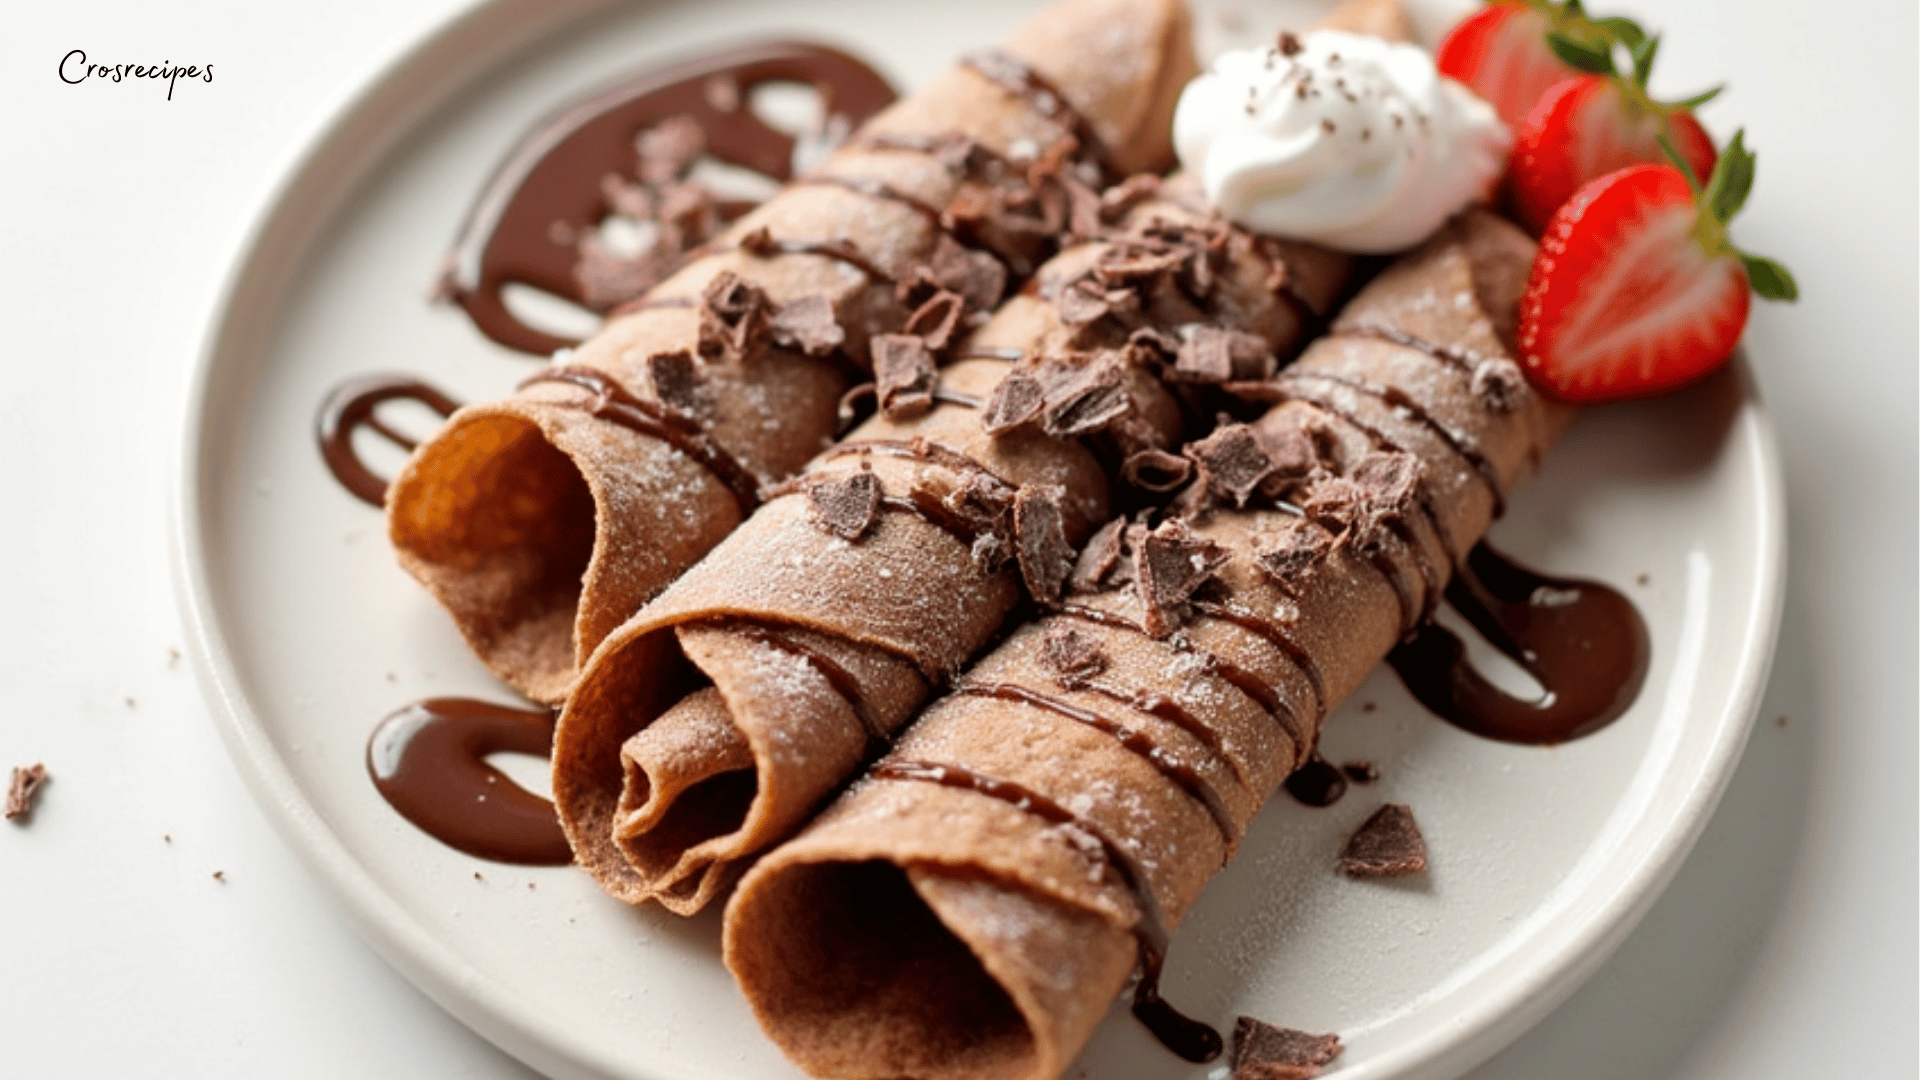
column 903, row 375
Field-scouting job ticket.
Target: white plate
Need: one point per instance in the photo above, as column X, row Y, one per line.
column 307, row 633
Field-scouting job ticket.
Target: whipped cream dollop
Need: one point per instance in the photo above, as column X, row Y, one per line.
column 1354, row 142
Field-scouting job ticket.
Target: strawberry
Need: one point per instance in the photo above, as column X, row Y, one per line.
column 1636, row 289
column 1501, row 51
column 1594, row 124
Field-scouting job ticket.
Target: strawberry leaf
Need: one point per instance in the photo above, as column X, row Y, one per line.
column 1770, row 279
column 1593, row 59
column 1625, row 31
column 1732, row 180
column 1643, row 60
column 1696, row 100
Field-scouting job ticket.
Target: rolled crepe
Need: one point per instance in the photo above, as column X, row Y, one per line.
column 813, row 632
column 970, row 907
column 543, row 521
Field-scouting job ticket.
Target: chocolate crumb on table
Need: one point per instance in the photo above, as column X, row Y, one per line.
column 27, row 781
column 1263, row 1051
column 1387, row 845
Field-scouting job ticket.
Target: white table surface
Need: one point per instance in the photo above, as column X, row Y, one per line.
column 152, row 924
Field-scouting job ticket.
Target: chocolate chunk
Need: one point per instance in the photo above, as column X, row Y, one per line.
column 1212, row 355
column 1099, row 558
column 733, row 316
column 1358, row 508
column 1170, row 564
column 845, row 506
column 1293, row 453
column 1085, row 302
column 1500, row 384
column 1072, row 656
column 808, row 324
column 1293, row 555
column 904, row 375
column 1084, row 398
column 1132, row 264
column 677, row 382
column 989, row 552
column 976, row 276
column 1387, row 845
column 1263, row 1051
column 1155, row 470
column 27, row 781
column 981, row 501
column 1233, row 460
column 1040, row 542
column 936, row 319
column 1290, row 44
column 669, row 148
column 1017, row 400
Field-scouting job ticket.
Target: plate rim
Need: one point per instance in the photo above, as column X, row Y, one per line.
column 362, row 130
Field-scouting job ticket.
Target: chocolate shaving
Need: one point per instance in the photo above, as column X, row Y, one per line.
column 1381, row 491
column 1293, row 453
column 1362, row 771
column 1155, row 470
column 1084, row 398
column 734, row 316
column 1129, row 193
column 1016, row 401
column 1212, row 355
column 1169, row 566
column 976, row 276
column 808, row 324
column 1040, row 542
column 936, row 318
column 677, row 382
column 845, row 506
column 1294, row 554
column 669, row 148
column 27, row 781
column 1099, row 558
column 760, row 242
column 1263, row 1051
column 1072, row 656
column 1085, row 302
column 1233, row 461
column 989, row 553
column 1389, row 844
column 904, row 375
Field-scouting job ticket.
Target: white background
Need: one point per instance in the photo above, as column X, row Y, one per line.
column 1786, row 947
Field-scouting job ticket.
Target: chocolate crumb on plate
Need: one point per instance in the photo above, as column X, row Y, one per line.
column 27, row 781
column 1263, row 1051
column 1361, row 771
column 1388, row 844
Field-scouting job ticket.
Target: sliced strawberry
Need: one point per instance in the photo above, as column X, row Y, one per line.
column 1636, row 289
column 1501, row 53
column 1592, row 125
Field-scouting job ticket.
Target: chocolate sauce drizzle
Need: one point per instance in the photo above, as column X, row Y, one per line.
column 1585, row 643
column 429, row 761
column 1136, row 742
column 1402, row 402
column 616, row 404
column 554, row 176
column 350, row 406
column 1185, row 1036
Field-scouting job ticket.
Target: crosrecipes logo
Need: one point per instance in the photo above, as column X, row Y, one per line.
column 75, row 69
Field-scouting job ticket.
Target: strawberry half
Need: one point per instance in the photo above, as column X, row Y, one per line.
column 1501, row 53
column 1636, row 289
column 1592, row 125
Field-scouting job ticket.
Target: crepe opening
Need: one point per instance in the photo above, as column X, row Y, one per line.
column 508, row 568
column 854, row 975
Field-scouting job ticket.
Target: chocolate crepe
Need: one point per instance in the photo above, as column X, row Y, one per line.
column 971, row 906
column 715, row 721
column 544, row 520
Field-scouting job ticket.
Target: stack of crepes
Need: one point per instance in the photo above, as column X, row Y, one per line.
column 972, row 905
column 713, row 723
column 544, row 520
